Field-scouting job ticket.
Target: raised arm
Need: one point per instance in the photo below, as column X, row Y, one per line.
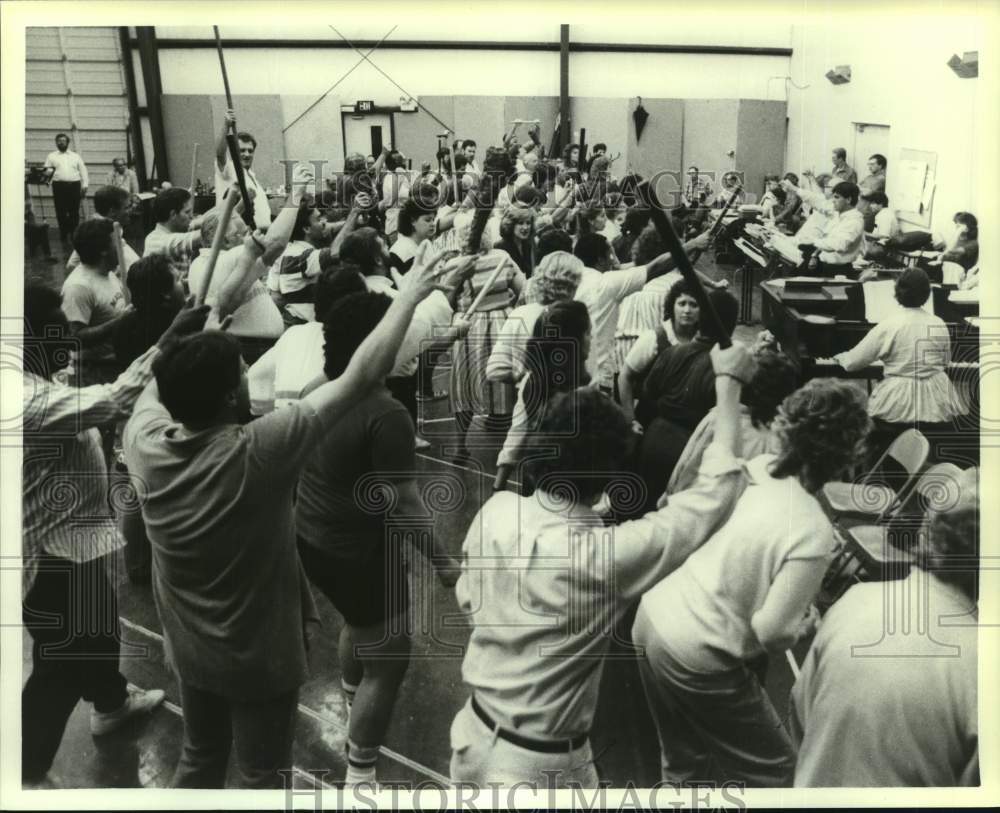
column 221, row 145
column 375, row 358
column 665, row 262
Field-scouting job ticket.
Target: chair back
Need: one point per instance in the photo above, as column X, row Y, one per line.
column 910, row 451
column 951, row 273
column 898, row 468
column 940, row 487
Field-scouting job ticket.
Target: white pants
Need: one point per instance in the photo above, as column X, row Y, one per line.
column 478, row 756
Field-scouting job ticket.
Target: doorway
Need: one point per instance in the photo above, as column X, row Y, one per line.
column 868, row 140
column 367, row 134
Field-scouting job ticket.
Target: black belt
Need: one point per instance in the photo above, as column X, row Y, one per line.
column 531, row 744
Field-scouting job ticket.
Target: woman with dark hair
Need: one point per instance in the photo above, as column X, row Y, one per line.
column 775, row 379
column 747, row 591
column 591, row 219
column 534, row 686
column 517, row 237
column 914, row 348
column 636, row 219
column 571, row 157
column 677, row 393
column 680, row 324
column 417, row 222
column 157, row 297
column 555, row 360
column 962, row 246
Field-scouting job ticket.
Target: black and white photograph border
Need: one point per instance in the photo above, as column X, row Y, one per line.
column 686, row 140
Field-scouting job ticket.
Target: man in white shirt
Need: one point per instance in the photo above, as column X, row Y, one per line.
column 68, row 175
column 469, row 149
column 124, row 178
column 603, row 287
column 225, row 173
column 841, row 243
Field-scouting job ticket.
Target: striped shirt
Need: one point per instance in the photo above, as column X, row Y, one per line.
column 179, row 247
column 67, row 510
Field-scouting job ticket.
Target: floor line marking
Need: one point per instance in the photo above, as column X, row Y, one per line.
column 398, row 757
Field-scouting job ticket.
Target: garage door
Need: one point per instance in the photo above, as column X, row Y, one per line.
column 74, row 84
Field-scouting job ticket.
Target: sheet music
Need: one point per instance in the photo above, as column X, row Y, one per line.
column 880, row 301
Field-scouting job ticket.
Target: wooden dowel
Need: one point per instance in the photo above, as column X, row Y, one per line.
column 487, row 287
column 194, row 167
column 122, row 270
column 454, row 171
column 228, row 204
column 665, row 229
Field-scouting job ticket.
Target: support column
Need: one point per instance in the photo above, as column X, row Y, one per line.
column 135, row 123
column 149, row 59
column 564, row 122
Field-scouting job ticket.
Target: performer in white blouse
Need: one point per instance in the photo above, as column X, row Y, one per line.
column 915, row 351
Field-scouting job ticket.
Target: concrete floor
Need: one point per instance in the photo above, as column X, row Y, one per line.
column 417, row 747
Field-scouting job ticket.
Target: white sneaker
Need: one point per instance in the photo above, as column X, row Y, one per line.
column 138, row 702
column 421, row 443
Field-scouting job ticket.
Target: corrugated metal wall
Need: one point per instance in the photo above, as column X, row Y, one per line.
column 75, row 84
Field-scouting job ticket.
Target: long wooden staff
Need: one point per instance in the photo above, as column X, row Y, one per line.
column 234, row 147
column 454, row 170
column 228, row 204
column 122, row 270
column 717, row 226
column 194, row 167
column 665, row 229
column 487, row 287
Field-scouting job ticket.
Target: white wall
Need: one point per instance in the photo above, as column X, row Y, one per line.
column 898, row 78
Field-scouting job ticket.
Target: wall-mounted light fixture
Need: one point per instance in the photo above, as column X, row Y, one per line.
column 840, row 75
column 966, row 66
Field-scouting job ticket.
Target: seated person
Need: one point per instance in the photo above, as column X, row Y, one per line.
column 840, row 244
column 916, row 691
column 963, row 246
column 787, row 216
column 816, row 204
column 885, row 225
column 914, row 348
column 769, row 201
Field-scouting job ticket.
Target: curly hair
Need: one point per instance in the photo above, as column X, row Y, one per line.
column 648, row 246
column 556, row 278
column 775, row 378
column 822, row 428
column 592, row 437
column 913, row 288
column 498, row 169
column 952, row 549
column 512, row 217
column 680, row 288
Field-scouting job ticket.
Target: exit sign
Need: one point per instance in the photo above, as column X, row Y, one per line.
column 364, row 106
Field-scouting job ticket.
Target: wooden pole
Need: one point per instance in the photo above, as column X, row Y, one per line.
column 454, row 170
column 487, row 287
column 228, row 204
column 717, row 226
column 122, row 270
column 194, row 167
column 234, row 147
column 665, row 229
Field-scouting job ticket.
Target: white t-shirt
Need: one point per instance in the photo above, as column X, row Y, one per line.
column 602, row 294
column 886, row 224
column 645, row 350
column 257, row 316
column 702, row 610
column 92, row 299
column 276, row 378
column 226, row 177
column 508, row 355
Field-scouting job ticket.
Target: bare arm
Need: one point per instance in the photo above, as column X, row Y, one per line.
column 666, row 262
column 221, row 145
column 89, row 336
column 626, row 389
column 782, row 620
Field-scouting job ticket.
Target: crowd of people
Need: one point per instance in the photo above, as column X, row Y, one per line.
column 261, row 380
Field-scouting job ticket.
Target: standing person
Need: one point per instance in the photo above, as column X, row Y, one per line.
column 695, row 196
column 534, row 686
column 288, row 284
column 470, row 390
column 517, row 237
column 677, row 393
column 680, row 325
column 225, row 173
column 748, row 590
column 471, row 167
column 111, row 203
column 227, row 580
column 68, row 176
column 841, row 171
column 70, row 605
column 921, row 695
column 417, row 223
column 94, row 302
column 172, row 237
column 602, row 289
column 351, row 551
column 395, row 191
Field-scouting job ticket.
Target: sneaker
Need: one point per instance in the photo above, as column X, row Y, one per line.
column 138, row 702
column 421, row 443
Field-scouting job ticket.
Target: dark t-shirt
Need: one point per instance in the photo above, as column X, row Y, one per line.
column 341, row 507
column 680, row 386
